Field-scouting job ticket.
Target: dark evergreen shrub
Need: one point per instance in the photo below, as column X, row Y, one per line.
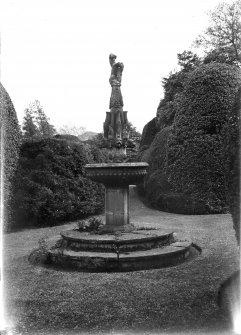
column 231, row 157
column 167, row 110
column 67, row 137
column 149, row 132
column 158, row 150
column 157, row 190
column 160, row 195
column 50, row 185
column 10, row 138
column 194, row 162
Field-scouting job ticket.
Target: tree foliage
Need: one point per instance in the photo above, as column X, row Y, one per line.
column 134, row 134
column 29, row 127
column 36, row 124
column 188, row 60
column 222, row 39
column 173, row 87
column 50, row 185
column 195, row 107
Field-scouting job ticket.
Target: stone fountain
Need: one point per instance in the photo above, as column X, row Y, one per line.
column 116, row 176
column 119, row 245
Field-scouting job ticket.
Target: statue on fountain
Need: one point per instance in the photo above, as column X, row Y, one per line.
column 115, row 125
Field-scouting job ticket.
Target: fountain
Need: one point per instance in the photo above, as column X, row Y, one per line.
column 116, row 176
column 119, row 245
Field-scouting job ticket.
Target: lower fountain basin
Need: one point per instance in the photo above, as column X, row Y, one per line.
column 117, row 174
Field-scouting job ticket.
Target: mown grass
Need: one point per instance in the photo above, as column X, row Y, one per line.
column 179, row 299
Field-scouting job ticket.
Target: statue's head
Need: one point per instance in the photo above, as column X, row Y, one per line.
column 112, row 58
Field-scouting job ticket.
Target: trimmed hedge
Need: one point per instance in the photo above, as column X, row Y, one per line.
column 158, row 150
column 50, row 185
column 194, row 162
column 10, row 138
column 67, row 137
column 166, row 112
column 157, row 190
column 160, row 195
column 231, row 156
column 149, row 132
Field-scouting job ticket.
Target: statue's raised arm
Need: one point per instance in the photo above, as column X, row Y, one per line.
column 116, row 71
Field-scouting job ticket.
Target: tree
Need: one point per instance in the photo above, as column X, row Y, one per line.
column 36, row 124
column 173, row 87
column 222, row 39
column 30, row 130
column 45, row 129
column 134, row 135
column 188, row 60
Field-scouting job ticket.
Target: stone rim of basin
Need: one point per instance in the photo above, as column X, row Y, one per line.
column 112, row 165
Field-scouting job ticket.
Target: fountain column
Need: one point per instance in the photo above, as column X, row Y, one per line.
column 116, row 208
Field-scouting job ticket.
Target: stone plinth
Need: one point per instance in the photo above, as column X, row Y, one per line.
column 117, row 177
column 116, row 208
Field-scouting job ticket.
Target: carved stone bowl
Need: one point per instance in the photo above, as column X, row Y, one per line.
column 117, row 174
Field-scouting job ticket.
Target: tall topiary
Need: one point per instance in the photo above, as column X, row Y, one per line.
column 194, row 162
column 10, row 137
column 148, row 134
column 231, row 156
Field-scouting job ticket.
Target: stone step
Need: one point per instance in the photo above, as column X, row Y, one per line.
column 124, row 261
column 133, row 241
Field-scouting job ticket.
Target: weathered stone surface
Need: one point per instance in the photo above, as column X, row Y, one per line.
column 121, row 261
column 117, row 174
column 135, row 240
column 115, row 125
column 117, row 177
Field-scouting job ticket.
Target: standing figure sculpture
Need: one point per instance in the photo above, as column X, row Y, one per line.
column 115, row 126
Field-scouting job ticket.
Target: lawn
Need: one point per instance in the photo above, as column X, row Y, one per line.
column 178, row 299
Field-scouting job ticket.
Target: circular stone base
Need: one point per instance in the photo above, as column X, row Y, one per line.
column 128, row 261
column 119, row 242
column 139, row 250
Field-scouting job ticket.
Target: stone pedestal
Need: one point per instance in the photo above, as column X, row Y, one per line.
column 116, row 208
column 117, row 177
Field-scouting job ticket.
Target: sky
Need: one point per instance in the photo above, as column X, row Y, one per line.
column 57, row 52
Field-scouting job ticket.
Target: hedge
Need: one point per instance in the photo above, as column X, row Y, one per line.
column 148, row 134
column 231, row 157
column 10, row 138
column 195, row 163
column 50, row 184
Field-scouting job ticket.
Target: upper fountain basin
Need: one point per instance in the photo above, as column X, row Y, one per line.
column 117, row 173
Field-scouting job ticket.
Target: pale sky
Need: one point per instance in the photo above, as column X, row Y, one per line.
column 57, row 52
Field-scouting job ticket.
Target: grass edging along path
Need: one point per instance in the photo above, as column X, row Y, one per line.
column 178, row 299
